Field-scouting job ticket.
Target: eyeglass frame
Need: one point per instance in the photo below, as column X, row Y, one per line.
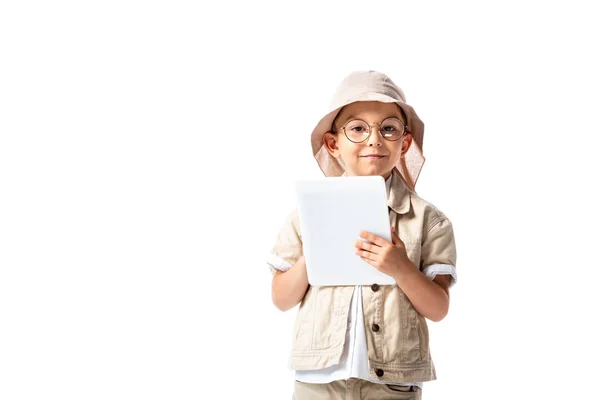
column 404, row 130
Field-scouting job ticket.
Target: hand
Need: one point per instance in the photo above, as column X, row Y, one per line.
column 389, row 258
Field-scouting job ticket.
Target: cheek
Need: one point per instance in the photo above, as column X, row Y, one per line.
column 395, row 152
column 349, row 152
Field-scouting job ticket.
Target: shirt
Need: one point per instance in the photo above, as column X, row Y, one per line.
column 353, row 363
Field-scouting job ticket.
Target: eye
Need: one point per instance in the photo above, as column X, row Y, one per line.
column 392, row 128
column 357, row 127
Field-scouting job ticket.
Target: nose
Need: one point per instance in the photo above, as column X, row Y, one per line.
column 374, row 138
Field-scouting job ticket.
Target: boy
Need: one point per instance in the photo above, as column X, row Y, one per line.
column 369, row 342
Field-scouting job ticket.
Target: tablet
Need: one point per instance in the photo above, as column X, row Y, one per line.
column 333, row 211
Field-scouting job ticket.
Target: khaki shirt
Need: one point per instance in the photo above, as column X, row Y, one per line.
column 398, row 349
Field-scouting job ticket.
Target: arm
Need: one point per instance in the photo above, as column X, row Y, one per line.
column 430, row 298
column 288, row 288
column 438, row 252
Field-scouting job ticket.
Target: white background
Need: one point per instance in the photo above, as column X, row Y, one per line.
column 147, row 157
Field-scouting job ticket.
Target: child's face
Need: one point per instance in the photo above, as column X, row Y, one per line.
column 355, row 155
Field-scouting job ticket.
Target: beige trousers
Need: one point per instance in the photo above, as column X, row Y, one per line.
column 354, row 389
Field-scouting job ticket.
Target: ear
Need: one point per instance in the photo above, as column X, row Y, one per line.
column 330, row 140
column 406, row 142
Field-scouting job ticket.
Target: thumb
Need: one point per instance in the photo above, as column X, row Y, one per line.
column 395, row 238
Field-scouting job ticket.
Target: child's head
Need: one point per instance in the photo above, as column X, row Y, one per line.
column 369, row 116
column 370, row 137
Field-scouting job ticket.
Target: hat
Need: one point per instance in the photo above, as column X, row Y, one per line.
column 370, row 86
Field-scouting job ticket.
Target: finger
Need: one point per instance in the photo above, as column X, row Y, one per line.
column 373, row 263
column 370, row 247
column 374, row 239
column 367, row 255
column 363, row 245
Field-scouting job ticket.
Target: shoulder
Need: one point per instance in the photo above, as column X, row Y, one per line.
column 292, row 221
column 430, row 213
column 294, row 218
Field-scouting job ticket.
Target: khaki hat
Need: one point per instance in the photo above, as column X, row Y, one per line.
column 370, row 86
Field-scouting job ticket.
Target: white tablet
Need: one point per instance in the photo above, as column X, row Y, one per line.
column 333, row 211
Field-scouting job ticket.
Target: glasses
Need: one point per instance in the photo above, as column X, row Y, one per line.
column 357, row 130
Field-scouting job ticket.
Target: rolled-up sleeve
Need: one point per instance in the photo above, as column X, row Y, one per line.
column 438, row 251
column 288, row 245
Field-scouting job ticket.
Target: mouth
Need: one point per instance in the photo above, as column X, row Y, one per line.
column 373, row 156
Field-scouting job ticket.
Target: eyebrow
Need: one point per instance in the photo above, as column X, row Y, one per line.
column 353, row 117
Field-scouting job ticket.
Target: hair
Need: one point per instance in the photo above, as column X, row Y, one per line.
column 339, row 112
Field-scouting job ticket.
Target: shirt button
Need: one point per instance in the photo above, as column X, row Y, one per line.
column 375, row 328
column 374, row 287
column 379, row 372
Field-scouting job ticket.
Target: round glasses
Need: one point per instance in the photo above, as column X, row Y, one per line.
column 358, row 131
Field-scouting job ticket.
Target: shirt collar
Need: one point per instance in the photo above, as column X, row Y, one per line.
column 398, row 194
column 388, row 183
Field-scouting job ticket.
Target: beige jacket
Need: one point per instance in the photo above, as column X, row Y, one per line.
column 397, row 335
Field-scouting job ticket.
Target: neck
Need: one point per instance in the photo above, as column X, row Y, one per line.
column 384, row 176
